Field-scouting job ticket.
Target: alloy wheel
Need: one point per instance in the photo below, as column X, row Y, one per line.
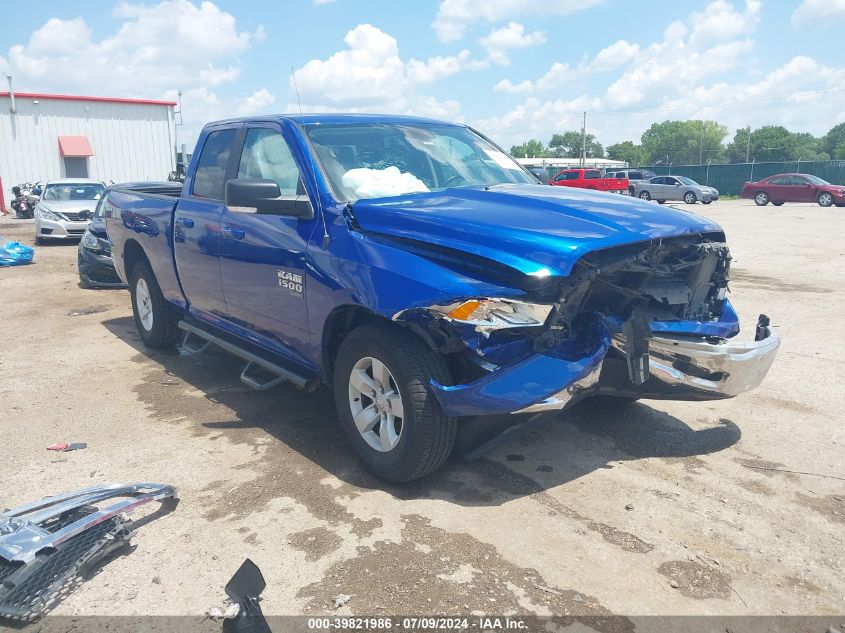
column 376, row 404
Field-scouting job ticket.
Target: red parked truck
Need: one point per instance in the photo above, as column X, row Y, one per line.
column 589, row 179
column 794, row 188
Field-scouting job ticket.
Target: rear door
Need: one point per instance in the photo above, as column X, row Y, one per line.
column 263, row 255
column 196, row 231
column 780, row 189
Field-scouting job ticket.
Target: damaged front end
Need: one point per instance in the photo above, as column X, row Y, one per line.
column 644, row 320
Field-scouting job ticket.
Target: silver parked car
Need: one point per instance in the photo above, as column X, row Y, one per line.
column 663, row 188
column 65, row 208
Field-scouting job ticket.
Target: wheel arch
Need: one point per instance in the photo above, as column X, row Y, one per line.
column 344, row 319
column 133, row 252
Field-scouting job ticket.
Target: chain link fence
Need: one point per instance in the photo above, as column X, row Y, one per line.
column 728, row 179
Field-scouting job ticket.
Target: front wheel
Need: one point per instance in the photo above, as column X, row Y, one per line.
column 645, row 195
column 155, row 318
column 690, row 197
column 761, row 199
column 385, row 404
column 825, row 199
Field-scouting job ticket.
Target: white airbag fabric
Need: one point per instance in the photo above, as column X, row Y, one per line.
column 381, row 183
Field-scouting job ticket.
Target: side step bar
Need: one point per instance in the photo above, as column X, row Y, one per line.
column 248, row 376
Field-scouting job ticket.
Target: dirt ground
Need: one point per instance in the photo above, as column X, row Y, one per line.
column 664, row 508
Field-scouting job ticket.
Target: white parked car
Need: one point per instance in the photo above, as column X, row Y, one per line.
column 65, row 208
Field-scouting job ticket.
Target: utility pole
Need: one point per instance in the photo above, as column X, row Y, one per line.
column 584, row 141
column 748, row 148
column 701, row 144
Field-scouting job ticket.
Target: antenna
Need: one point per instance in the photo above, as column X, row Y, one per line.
column 326, row 237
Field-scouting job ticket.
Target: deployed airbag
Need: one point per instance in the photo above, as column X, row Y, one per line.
column 381, row 183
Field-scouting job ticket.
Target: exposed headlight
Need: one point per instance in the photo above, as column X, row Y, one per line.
column 495, row 314
column 90, row 241
column 48, row 215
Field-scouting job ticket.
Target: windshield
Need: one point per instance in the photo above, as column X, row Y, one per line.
column 687, row 181
column 70, row 191
column 816, row 180
column 372, row 160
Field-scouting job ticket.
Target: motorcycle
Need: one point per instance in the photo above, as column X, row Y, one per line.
column 22, row 205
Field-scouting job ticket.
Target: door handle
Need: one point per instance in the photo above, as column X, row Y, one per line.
column 188, row 223
column 233, row 232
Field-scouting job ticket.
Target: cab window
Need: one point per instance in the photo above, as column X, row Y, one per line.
column 211, row 168
column 266, row 155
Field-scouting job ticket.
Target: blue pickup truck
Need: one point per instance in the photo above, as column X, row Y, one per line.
column 427, row 279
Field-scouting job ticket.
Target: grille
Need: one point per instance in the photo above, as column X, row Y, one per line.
column 76, row 217
column 28, row 591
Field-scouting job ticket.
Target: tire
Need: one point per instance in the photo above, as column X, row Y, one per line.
column 777, row 204
column 40, row 241
column 661, row 202
column 632, row 191
column 155, row 318
column 761, row 198
column 409, row 446
column 645, row 195
column 690, row 197
column 825, row 199
column 706, row 201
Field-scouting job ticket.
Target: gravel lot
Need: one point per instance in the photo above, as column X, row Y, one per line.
column 664, row 508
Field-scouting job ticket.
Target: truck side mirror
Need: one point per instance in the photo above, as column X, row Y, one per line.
column 258, row 195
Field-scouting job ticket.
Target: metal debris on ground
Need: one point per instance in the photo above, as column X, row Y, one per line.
column 46, row 547
column 341, row 599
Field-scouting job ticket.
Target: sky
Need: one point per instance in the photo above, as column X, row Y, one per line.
column 513, row 69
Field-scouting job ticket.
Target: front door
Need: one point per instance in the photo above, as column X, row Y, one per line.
column 802, row 190
column 196, row 232
column 263, row 255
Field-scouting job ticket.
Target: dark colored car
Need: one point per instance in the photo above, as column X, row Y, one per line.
column 96, row 269
column 794, row 188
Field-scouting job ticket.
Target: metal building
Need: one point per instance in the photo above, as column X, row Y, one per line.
column 43, row 137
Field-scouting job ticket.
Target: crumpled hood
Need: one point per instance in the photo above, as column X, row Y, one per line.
column 535, row 229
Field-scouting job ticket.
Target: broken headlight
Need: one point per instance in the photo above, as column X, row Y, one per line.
column 495, row 314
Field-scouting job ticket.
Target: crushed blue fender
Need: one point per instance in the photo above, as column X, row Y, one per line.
column 15, row 254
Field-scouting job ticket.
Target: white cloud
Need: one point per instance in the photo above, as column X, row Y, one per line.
column 678, row 77
column 499, row 41
column 618, row 54
column 156, row 48
column 369, row 74
column 256, row 103
column 454, row 16
column 812, row 12
column 319, row 2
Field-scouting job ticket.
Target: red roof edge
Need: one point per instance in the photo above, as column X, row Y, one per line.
column 34, row 95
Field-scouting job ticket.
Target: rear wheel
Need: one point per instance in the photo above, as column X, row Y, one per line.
column 155, row 318
column 645, row 195
column 690, row 197
column 825, row 199
column 385, row 404
column 761, row 199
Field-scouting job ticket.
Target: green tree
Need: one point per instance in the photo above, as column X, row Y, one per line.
column 628, row 151
column 809, row 147
column 568, row 145
column 834, row 142
column 738, row 148
column 773, row 143
column 530, row 149
column 685, row 142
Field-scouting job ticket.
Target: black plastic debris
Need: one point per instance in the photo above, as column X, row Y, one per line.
column 244, row 589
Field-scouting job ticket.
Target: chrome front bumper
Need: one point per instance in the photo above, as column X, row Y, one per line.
column 721, row 370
